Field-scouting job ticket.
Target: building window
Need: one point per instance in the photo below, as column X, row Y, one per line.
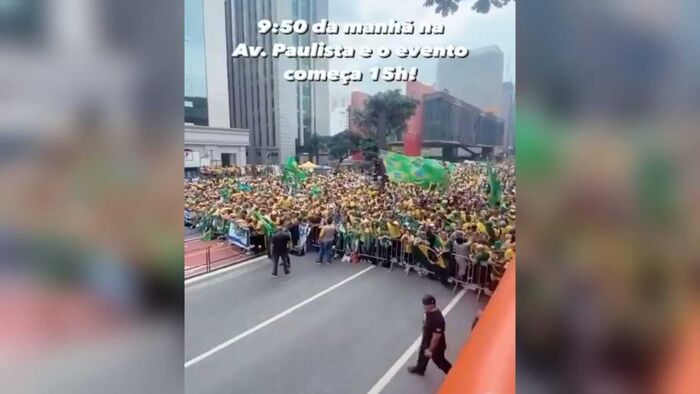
column 196, row 109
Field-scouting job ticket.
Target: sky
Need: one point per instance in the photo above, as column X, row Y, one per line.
column 465, row 28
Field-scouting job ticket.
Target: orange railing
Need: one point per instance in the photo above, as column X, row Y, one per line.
column 486, row 364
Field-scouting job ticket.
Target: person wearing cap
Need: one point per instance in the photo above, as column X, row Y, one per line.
column 433, row 343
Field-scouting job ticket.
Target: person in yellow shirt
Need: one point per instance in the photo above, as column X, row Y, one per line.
column 509, row 255
column 406, row 244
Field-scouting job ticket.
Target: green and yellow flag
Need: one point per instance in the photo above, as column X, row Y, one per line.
column 292, row 173
column 494, row 187
column 428, row 255
column 268, row 226
column 418, row 170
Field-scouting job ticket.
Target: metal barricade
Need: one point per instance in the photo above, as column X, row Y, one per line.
column 391, row 253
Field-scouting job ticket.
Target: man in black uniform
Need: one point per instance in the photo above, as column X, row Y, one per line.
column 433, row 344
column 280, row 249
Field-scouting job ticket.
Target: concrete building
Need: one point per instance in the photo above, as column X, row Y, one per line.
column 339, row 120
column 460, row 129
column 214, row 146
column 476, row 79
column 279, row 114
column 208, row 132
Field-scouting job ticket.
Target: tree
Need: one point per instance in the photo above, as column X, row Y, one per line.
column 384, row 114
column 447, row 7
column 343, row 144
column 315, row 144
column 369, row 147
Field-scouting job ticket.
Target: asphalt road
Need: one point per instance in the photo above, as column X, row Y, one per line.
column 335, row 329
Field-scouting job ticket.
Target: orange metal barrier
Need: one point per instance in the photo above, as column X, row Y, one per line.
column 486, row 364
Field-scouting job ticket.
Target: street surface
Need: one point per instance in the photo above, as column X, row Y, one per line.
column 343, row 328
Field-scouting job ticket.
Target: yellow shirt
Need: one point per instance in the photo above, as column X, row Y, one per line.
column 394, row 231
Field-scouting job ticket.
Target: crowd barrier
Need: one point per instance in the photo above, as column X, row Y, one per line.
column 220, row 254
column 390, row 253
column 239, row 236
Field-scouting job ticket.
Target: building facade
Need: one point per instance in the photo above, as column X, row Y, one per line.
column 477, row 79
column 279, row 114
column 339, row 120
column 208, row 132
column 205, row 145
column 448, row 119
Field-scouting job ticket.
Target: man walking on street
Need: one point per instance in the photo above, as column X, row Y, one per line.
column 325, row 239
column 433, row 344
column 280, row 249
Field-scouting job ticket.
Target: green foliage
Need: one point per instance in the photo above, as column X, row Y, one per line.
column 317, row 143
column 344, row 144
column 449, row 7
column 392, row 108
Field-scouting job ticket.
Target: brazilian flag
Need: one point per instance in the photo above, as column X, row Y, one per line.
column 417, row 170
column 429, row 256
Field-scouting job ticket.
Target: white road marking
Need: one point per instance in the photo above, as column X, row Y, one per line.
column 221, row 271
column 384, row 380
column 272, row 319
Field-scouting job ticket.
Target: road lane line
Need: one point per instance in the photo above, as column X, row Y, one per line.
column 221, row 271
column 384, row 380
column 272, row 319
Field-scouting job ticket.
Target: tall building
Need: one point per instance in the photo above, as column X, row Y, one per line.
column 280, row 114
column 339, row 120
column 476, row 79
column 208, row 133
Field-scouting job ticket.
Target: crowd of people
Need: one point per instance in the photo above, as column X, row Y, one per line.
column 447, row 230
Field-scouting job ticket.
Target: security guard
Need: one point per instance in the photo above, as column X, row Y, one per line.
column 433, row 344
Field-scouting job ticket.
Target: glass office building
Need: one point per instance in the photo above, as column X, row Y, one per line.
column 196, row 106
